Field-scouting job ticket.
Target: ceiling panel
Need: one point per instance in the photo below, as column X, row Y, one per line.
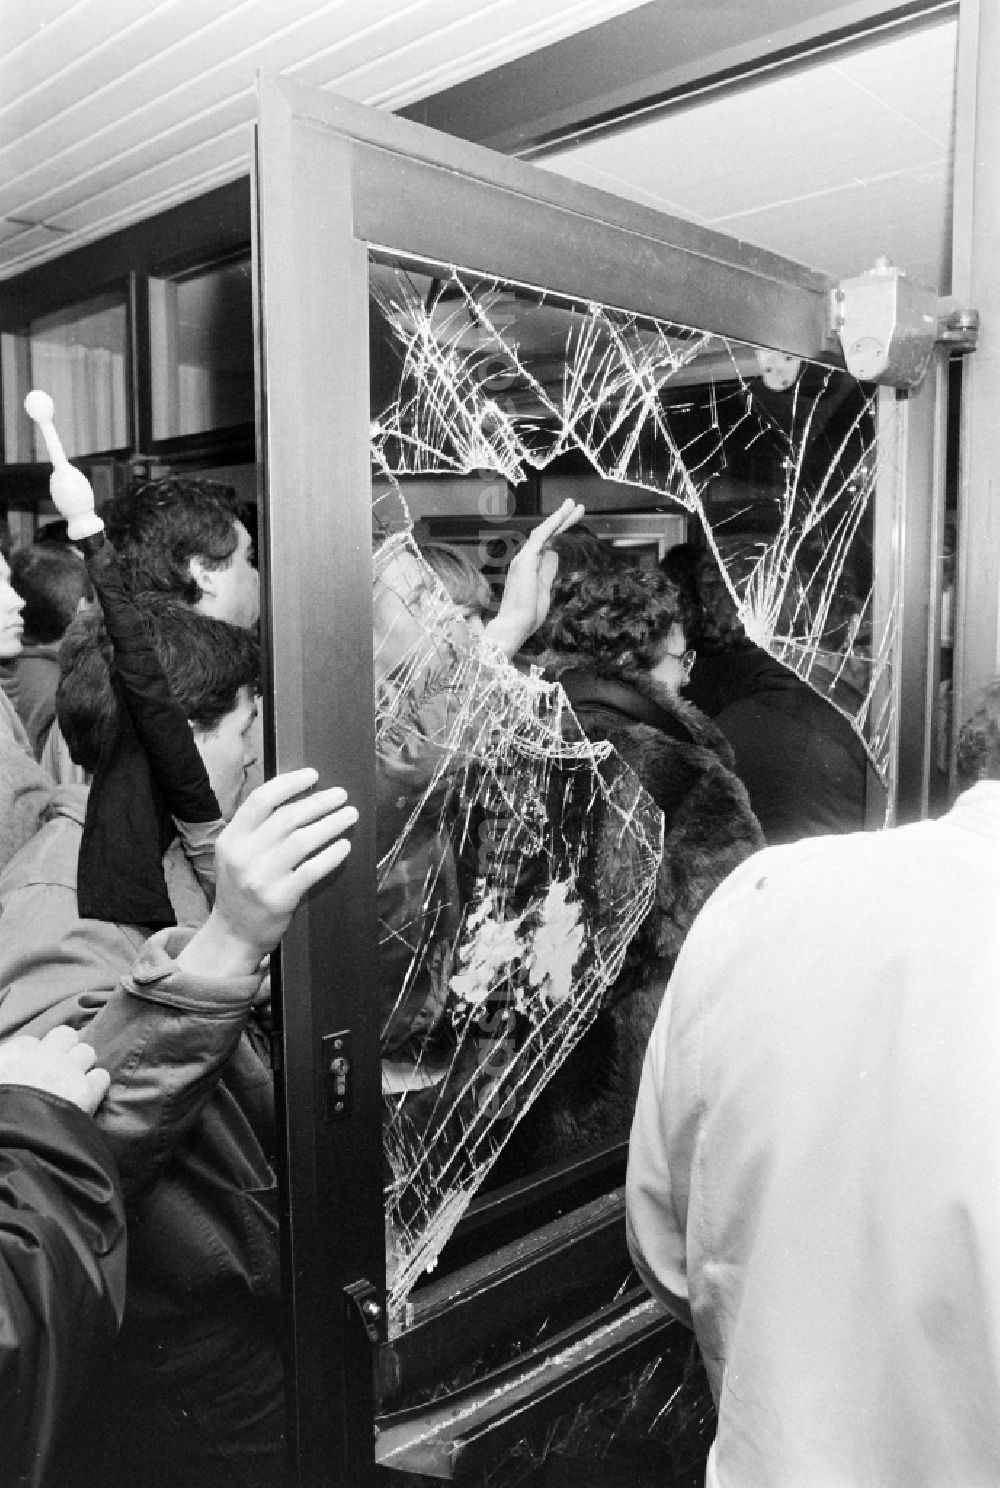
column 834, row 165
column 838, row 226
column 915, row 75
column 138, row 69
column 20, row 22
column 113, row 109
column 733, row 155
column 166, row 167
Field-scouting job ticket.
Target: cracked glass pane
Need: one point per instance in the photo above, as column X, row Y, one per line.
column 516, row 859
column 773, row 461
column 654, row 1425
column 516, row 862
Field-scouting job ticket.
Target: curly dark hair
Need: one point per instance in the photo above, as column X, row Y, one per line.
column 159, row 526
column 618, row 617
column 978, row 756
column 206, row 663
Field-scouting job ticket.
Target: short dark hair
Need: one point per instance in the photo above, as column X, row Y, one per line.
column 717, row 617
column 206, row 663
column 56, row 532
column 617, row 618
column 159, row 526
column 580, row 550
column 51, row 580
column 682, row 563
column 978, row 754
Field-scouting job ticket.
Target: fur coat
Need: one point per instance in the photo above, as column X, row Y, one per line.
column 685, row 764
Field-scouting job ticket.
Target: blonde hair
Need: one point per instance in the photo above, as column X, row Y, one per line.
column 466, row 586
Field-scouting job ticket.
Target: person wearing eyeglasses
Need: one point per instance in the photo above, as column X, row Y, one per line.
column 615, row 639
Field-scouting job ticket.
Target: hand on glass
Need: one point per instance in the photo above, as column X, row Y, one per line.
column 530, row 576
column 59, row 1063
column 281, row 842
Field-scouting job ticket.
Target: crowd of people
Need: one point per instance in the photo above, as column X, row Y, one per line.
column 801, row 1037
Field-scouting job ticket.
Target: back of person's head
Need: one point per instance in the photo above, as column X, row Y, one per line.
column 55, row 533
column 718, row 625
column 52, row 580
column 206, row 662
column 616, row 618
column 682, row 563
column 581, row 551
column 978, row 753
column 466, row 586
column 159, row 526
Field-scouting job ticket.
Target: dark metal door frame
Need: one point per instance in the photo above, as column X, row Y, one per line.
column 333, row 179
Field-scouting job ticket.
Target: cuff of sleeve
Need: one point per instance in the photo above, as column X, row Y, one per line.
column 156, row 977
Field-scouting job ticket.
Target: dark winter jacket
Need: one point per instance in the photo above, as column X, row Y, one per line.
column 804, row 767
column 686, row 766
column 62, row 1273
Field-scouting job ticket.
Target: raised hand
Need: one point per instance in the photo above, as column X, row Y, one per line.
column 530, row 575
column 59, row 1063
column 280, row 843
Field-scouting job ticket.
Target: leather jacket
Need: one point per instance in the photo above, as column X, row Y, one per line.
column 62, row 1273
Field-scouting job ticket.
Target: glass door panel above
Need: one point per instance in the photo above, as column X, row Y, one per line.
column 771, row 458
column 201, row 343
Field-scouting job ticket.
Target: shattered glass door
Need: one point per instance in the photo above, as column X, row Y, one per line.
column 774, row 460
column 517, row 860
column 455, row 340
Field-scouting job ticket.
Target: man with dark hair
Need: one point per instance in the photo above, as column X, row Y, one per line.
column 814, row 1164
column 185, row 537
column 53, row 583
column 207, row 665
column 180, row 1020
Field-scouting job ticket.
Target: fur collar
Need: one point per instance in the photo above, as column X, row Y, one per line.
column 638, row 698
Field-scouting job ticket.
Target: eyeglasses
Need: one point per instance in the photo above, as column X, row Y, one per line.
column 686, row 659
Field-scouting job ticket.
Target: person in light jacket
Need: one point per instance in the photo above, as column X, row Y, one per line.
column 814, row 1168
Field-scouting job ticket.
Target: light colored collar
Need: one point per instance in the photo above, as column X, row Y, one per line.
column 978, row 809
